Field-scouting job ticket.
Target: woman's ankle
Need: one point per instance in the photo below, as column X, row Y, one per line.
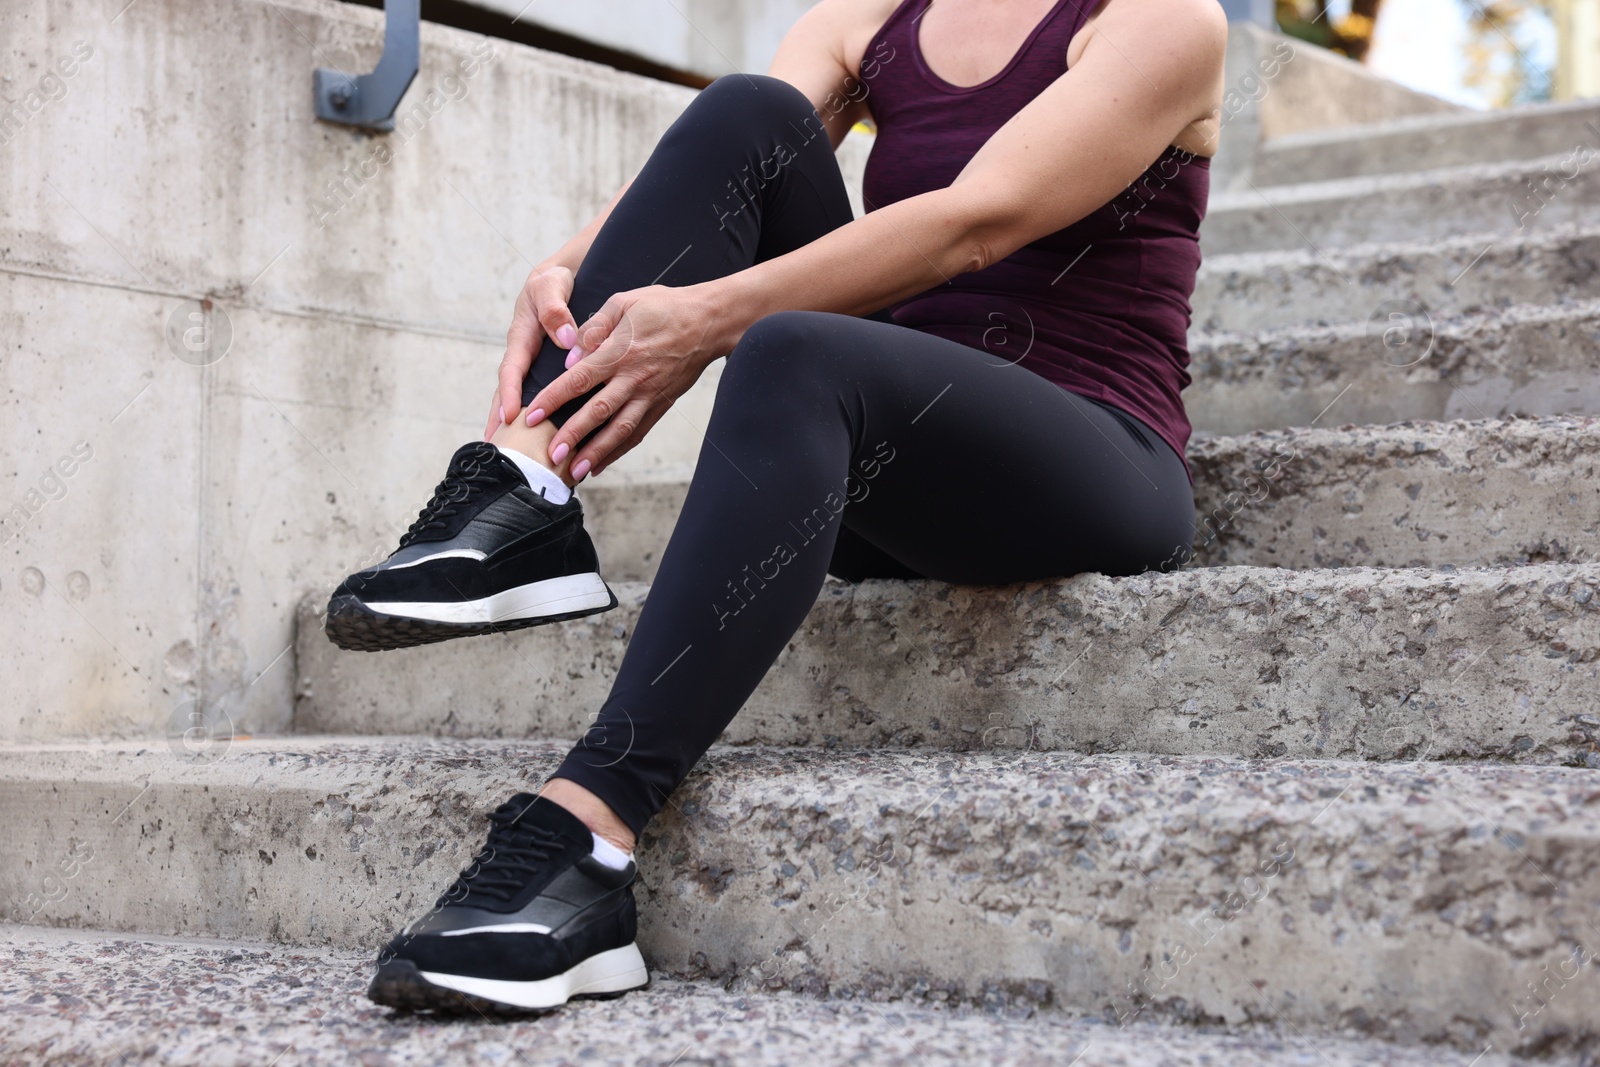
column 591, row 811
column 533, row 442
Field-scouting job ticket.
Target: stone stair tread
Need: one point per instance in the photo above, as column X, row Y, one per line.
column 1457, row 323
column 1429, row 894
column 209, row 1003
column 1494, row 199
column 1416, row 142
column 1243, row 292
column 1358, row 663
column 1358, row 186
column 1422, row 493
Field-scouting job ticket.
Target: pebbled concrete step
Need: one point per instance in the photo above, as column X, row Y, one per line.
column 1425, row 494
column 1417, row 902
column 1351, row 664
column 1427, row 142
column 1250, row 291
column 206, row 1003
column 1491, row 199
column 1523, row 360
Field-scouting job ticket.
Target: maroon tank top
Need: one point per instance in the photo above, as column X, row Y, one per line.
column 1101, row 307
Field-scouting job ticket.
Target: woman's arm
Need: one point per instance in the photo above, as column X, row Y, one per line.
column 1147, row 70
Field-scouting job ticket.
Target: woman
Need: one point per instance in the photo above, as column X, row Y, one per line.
column 977, row 382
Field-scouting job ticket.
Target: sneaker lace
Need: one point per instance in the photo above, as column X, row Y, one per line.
column 513, row 851
column 461, row 482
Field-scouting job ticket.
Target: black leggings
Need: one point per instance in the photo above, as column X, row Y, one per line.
column 837, row 444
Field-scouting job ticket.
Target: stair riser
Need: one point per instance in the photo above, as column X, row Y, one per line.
column 1528, row 361
column 1133, row 888
column 1346, row 664
column 1391, row 497
column 1428, row 495
column 1246, row 293
column 1495, row 201
column 1412, row 145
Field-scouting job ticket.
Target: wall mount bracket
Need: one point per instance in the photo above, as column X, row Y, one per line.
column 370, row 100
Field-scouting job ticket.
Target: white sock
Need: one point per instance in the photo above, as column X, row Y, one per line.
column 610, row 854
column 543, row 479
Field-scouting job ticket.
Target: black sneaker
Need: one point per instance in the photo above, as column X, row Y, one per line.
column 534, row 921
column 487, row 554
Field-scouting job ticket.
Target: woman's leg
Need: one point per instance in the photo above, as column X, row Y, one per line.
column 745, row 174
column 950, row 465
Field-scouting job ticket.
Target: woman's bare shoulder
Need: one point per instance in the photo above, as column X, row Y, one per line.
column 845, row 27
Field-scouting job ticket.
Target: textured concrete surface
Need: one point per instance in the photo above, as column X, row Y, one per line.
column 1486, row 198
column 367, row 296
column 1250, row 291
column 1418, row 494
column 1426, row 494
column 1425, row 142
column 1390, row 363
column 1354, row 664
column 1276, row 85
column 705, row 37
column 187, row 1002
column 1411, row 901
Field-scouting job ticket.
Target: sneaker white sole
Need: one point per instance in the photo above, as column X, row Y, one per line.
column 614, row 971
column 553, row 596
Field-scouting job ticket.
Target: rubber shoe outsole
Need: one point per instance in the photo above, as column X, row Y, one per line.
column 356, row 628
column 401, row 986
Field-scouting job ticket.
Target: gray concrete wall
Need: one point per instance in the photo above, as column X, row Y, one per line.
column 705, row 37
column 163, row 517
column 365, row 282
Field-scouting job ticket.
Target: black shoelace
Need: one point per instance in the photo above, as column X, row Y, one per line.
column 513, row 851
column 461, row 482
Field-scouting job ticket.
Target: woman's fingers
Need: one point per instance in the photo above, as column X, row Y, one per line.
column 600, row 408
column 652, row 415
column 626, row 425
column 496, row 416
column 522, row 342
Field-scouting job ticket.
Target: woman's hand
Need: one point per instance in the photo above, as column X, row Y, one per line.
column 541, row 312
column 647, row 347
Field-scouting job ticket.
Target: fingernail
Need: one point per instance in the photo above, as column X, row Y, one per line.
column 502, row 414
column 579, row 469
column 573, row 357
column 535, row 415
column 566, row 337
column 559, row 453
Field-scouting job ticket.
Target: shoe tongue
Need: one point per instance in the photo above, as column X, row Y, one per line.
column 475, row 454
column 548, row 815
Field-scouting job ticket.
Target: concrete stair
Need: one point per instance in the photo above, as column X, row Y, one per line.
column 1488, row 663
column 1429, row 205
column 209, row 1003
column 1151, row 888
column 1326, row 793
column 1425, row 494
column 1429, row 142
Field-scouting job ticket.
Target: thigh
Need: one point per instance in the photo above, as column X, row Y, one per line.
column 968, row 469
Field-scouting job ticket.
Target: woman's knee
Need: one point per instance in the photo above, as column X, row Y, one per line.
column 755, row 98
column 784, row 351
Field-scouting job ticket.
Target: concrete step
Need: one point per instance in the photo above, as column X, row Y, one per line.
column 208, row 1003
column 1491, row 199
column 1396, row 362
column 1423, row 494
column 1359, row 664
column 1250, row 291
column 1428, row 494
column 1418, row 902
column 1427, row 142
